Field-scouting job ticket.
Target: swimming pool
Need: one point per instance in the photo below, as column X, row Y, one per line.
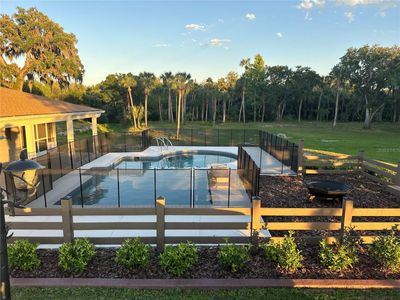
column 183, row 179
column 179, row 161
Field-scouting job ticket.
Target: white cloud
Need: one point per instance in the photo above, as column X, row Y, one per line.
column 279, row 35
column 220, row 20
column 309, row 4
column 218, row 42
column 349, row 16
column 161, row 45
column 250, row 16
column 306, row 4
column 386, row 3
column 195, row 27
column 382, row 4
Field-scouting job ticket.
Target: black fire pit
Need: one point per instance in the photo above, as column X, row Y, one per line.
column 327, row 190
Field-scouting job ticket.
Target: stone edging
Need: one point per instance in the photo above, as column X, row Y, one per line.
column 203, row 283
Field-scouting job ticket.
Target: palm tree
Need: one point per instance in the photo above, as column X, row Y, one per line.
column 246, row 63
column 188, row 88
column 149, row 82
column 211, row 86
column 230, row 80
column 222, row 88
column 129, row 82
column 336, row 83
column 158, row 92
column 168, row 81
column 180, row 85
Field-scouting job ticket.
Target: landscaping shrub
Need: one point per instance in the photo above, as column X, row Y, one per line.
column 386, row 251
column 340, row 256
column 22, row 255
column 233, row 257
column 74, row 257
column 286, row 253
column 178, row 260
column 133, row 253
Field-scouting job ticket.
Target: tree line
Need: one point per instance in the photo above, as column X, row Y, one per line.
column 362, row 86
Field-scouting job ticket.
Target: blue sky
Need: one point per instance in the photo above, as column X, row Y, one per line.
column 209, row 38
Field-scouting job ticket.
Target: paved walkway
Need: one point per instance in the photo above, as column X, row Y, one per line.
column 204, row 283
column 268, row 164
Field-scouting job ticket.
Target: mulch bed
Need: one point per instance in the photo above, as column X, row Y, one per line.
column 275, row 192
column 103, row 265
column 288, row 191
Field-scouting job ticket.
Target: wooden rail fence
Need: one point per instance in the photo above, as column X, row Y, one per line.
column 325, row 162
column 256, row 221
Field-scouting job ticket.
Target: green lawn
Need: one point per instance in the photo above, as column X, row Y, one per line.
column 381, row 142
column 245, row 294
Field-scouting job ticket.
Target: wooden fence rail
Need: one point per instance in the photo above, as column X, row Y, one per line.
column 257, row 218
column 325, row 162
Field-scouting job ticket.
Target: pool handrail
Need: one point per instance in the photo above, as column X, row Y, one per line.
column 165, row 142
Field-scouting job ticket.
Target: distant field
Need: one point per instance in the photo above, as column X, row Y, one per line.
column 381, row 142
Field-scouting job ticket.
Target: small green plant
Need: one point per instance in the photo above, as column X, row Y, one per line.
column 22, row 255
column 386, row 250
column 74, row 257
column 286, row 253
column 178, row 260
column 133, row 253
column 340, row 256
column 234, row 257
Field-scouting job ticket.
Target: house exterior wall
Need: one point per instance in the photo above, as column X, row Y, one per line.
column 11, row 145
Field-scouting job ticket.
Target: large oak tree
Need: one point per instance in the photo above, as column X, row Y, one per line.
column 33, row 46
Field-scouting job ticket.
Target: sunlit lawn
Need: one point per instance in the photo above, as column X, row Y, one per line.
column 382, row 142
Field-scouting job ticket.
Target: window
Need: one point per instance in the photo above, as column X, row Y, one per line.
column 44, row 136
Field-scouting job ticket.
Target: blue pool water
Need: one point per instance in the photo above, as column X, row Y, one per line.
column 180, row 179
column 181, row 161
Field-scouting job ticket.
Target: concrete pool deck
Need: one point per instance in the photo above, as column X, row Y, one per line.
column 268, row 164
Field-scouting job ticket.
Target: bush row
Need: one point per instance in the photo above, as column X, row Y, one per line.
column 178, row 260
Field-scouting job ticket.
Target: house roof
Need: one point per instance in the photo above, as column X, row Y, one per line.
column 16, row 103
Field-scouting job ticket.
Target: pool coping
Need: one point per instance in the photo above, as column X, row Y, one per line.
column 156, row 153
column 204, row 283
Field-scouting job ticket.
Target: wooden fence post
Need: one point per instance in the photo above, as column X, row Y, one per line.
column 347, row 215
column 396, row 180
column 67, row 219
column 160, row 210
column 300, row 169
column 361, row 156
column 255, row 219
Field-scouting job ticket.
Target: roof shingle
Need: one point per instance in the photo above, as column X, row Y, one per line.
column 16, row 103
